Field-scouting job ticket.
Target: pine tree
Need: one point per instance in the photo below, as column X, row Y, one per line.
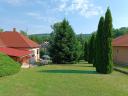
column 91, row 49
column 108, row 62
column 99, row 46
column 64, row 47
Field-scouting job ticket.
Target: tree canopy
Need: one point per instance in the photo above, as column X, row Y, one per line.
column 64, row 47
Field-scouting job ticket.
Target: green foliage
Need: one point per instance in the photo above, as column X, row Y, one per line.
column 39, row 38
column 86, row 50
column 81, row 40
column 79, row 51
column 91, row 54
column 108, row 61
column 118, row 32
column 1, row 30
column 43, row 36
column 42, row 52
column 38, row 63
column 36, row 39
column 99, row 45
column 23, row 32
column 8, row 66
column 105, row 41
column 64, row 47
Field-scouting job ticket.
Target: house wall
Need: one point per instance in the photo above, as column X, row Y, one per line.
column 120, row 55
column 36, row 52
column 23, row 60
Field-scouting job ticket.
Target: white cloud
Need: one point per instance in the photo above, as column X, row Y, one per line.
column 62, row 7
column 83, row 7
column 22, row 2
column 38, row 16
column 15, row 2
column 35, row 15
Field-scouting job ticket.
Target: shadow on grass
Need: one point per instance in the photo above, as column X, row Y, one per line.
column 75, row 65
column 86, row 65
column 83, row 65
column 69, row 71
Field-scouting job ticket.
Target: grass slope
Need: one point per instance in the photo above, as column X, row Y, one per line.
column 64, row 80
column 7, row 65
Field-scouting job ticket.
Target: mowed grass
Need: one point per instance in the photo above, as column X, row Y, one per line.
column 64, row 80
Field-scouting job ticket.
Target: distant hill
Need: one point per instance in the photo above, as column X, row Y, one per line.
column 120, row 31
column 84, row 35
column 39, row 38
column 48, row 35
column 40, row 35
column 116, row 33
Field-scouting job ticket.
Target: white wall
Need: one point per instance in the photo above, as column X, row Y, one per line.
column 36, row 52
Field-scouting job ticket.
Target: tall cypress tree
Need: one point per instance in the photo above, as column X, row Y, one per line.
column 63, row 44
column 91, row 49
column 103, row 61
column 108, row 62
column 86, row 51
column 99, row 46
column 94, row 49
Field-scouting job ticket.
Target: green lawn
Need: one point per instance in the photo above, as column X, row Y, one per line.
column 64, row 80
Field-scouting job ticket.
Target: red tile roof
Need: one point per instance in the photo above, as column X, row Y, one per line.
column 121, row 41
column 16, row 40
column 14, row 52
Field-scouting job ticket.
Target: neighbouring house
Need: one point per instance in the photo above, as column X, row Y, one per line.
column 120, row 50
column 19, row 47
column 45, row 44
column 44, row 47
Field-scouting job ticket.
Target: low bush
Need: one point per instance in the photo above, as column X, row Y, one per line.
column 38, row 63
column 8, row 66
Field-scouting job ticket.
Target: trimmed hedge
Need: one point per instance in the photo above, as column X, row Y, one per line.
column 8, row 66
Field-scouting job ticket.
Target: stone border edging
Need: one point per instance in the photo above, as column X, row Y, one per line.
column 122, row 71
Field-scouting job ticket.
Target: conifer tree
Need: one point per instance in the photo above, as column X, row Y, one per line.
column 91, row 49
column 99, row 46
column 107, row 53
column 103, row 60
column 86, row 51
column 64, row 47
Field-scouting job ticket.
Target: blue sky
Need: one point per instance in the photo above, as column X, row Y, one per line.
column 36, row 16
